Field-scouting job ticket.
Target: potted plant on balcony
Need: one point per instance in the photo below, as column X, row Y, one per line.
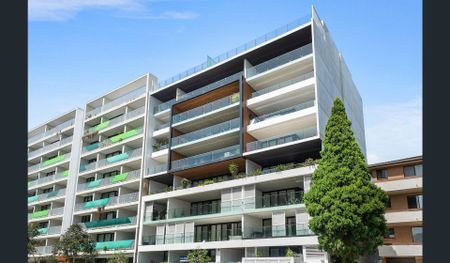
column 290, row 252
column 184, row 183
column 234, row 169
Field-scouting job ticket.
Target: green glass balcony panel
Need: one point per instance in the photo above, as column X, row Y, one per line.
column 65, row 173
column 41, row 213
column 82, row 167
column 124, row 244
column 53, row 160
column 125, row 135
column 92, row 146
column 43, row 230
column 52, row 193
column 109, row 222
column 96, row 203
column 29, row 183
column 102, row 125
column 32, row 199
column 94, row 183
column 119, row 177
column 117, row 158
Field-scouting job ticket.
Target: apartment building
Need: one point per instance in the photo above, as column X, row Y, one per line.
column 402, row 181
column 217, row 157
column 232, row 143
column 53, row 160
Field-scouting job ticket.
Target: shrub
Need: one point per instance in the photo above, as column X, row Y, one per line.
column 233, row 168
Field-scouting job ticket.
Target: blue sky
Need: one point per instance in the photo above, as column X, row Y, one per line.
column 79, row 50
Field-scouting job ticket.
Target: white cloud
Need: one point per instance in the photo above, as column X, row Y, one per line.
column 61, row 10
column 394, row 131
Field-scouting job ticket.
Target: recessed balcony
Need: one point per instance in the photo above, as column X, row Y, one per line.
column 48, row 179
column 47, row 148
column 115, row 245
column 115, row 222
column 46, row 196
column 139, row 112
column 126, row 156
column 52, row 131
column 46, row 213
column 125, row 136
column 109, row 201
column 120, row 178
column 49, row 162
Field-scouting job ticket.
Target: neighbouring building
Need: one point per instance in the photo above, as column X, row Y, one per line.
column 402, row 181
column 217, row 157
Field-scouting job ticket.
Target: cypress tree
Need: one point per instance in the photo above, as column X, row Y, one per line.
column 346, row 208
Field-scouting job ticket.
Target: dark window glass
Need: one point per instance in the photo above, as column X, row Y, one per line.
column 90, row 179
column 390, row 233
column 382, row 174
column 415, row 201
column 108, row 215
column 388, row 204
column 45, row 207
column 109, row 194
column 113, row 154
column 85, row 219
column 417, row 234
column 105, row 237
column 47, row 190
column 43, row 224
column 87, row 198
column 412, row 170
column 106, row 175
column 50, row 173
column 282, row 197
column 92, row 160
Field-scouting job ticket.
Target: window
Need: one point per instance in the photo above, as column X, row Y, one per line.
column 117, row 116
column 50, row 173
column 51, row 157
column 112, row 154
column 105, row 175
column 205, row 207
column 109, row 194
column 47, row 190
column 43, row 224
column 108, row 215
column 85, row 219
column 282, row 197
column 413, row 170
column 45, row 207
column 217, row 232
column 417, row 234
column 87, row 198
column 267, row 227
column 105, row 237
column 94, row 142
column 290, row 226
column 390, row 233
column 388, row 204
column 92, row 160
column 415, row 201
column 382, row 174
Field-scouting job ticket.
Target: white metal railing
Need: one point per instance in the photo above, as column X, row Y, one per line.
column 47, row 179
column 111, row 160
column 123, row 99
column 50, row 147
column 42, row 165
column 116, row 200
column 108, row 181
column 119, row 119
column 53, row 130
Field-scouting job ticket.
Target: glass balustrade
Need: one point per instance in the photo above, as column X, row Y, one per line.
column 115, row 245
column 207, row 157
column 283, row 84
column 206, row 132
column 299, row 107
column 110, row 141
column 110, row 201
column 288, row 230
column 50, row 147
column 51, row 131
column 204, row 109
column 300, row 135
column 163, row 106
column 49, row 162
column 46, row 196
column 130, row 220
column 115, row 121
column 110, row 160
column 234, row 52
column 47, row 179
column 280, row 60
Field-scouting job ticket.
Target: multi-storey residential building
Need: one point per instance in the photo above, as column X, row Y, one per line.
column 217, row 157
column 231, row 140
column 53, row 160
column 402, row 181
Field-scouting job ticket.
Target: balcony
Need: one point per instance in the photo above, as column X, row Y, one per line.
column 401, row 186
column 207, row 139
column 49, row 162
column 46, row 213
column 120, row 178
column 47, row 196
column 50, row 147
column 282, row 140
column 51, row 131
column 48, row 179
column 127, row 98
column 286, row 120
column 273, row 260
column 110, row 201
column 208, row 157
column 206, row 113
column 156, row 169
column 286, row 83
column 115, row 245
column 289, row 230
column 111, row 160
column 413, row 250
column 113, row 140
column 234, row 52
column 284, row 66
column 48, row 231
column 119, row 120
column 121, row 221
column 402, row 217
column 44, row 250
column 161, row 131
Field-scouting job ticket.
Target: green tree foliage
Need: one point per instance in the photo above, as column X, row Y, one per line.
column 347, row 209
column 76, row 244
column 118, row 258
column 199, row 256
column 32, row 242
